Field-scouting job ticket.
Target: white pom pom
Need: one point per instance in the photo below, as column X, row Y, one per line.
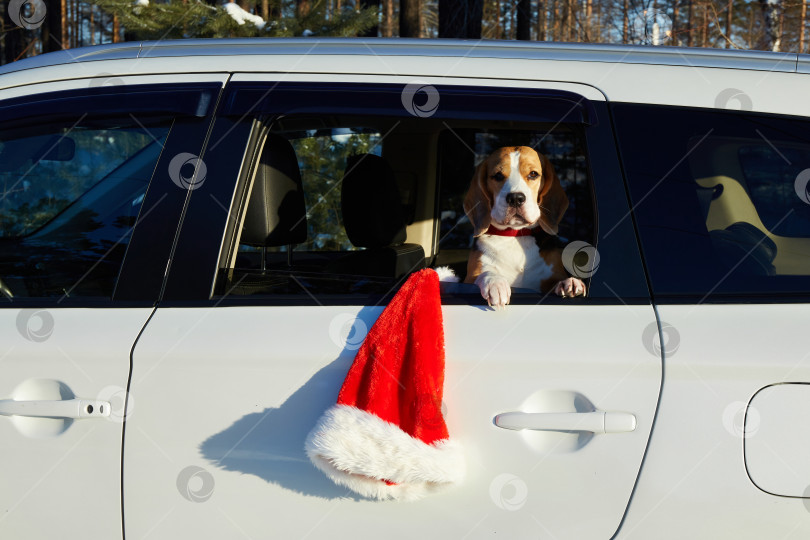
column 446, row 274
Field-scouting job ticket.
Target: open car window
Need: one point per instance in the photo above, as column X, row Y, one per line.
column 351, row 192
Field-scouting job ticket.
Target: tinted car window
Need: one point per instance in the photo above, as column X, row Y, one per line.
column 720, row 199
column 72, row 192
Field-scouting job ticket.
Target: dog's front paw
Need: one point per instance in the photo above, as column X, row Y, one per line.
column 570, row 287
column 495, row 290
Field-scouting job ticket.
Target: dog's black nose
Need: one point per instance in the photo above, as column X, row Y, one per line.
column 515, row 200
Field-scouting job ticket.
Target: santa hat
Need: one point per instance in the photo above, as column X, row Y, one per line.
column 386, row 437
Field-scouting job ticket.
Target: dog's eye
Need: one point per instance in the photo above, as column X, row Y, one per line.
column 498, row 177
column 532, row 175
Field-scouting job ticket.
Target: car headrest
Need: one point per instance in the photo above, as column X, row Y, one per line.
column 276, row 213
column 373, row 214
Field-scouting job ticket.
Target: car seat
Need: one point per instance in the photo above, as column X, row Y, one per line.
column 741, row 247
column 374, row 219
column 276, row 212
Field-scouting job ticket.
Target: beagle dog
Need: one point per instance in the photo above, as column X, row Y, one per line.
column 515, row 203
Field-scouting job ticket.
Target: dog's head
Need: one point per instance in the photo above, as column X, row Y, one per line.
column 515, row 187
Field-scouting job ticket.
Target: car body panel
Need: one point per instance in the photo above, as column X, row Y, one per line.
column 695, row 463
column 243, row 405
column 61, row 477
column 656, row 75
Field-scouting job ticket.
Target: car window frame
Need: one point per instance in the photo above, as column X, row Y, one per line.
column 192, row 279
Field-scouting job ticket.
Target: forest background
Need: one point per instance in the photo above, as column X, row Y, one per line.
column 31, row 27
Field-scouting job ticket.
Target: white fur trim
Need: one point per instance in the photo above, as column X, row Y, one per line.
column 360, row 450
column 446, row 274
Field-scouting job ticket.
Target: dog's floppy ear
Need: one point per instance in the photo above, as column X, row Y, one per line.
column 478, row 202
column 552, row 199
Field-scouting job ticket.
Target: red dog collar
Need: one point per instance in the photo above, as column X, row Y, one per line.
column 494, row 231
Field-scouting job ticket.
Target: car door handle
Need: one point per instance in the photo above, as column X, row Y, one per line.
column 66, row 408
column 595, row 422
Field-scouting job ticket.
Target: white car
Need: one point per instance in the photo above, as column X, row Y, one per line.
column 183, row 286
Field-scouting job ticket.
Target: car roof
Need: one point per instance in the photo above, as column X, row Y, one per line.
column 578, row 52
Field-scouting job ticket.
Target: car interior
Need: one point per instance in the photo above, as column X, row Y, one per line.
column 756, row 223
column 353, row 204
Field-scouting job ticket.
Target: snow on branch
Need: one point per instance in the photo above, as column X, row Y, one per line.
column 241, row 16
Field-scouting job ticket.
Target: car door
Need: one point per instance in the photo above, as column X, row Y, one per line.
column 252, row 341
column 89, row 211
column 723, row 215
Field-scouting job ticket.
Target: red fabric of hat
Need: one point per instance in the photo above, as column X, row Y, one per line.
column 386, row 437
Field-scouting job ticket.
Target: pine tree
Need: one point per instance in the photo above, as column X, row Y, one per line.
column 177, row 19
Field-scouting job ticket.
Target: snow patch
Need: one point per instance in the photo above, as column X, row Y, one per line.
column 240, row 15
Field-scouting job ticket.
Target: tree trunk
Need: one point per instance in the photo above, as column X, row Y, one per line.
column 626, row 21
column 777, row 46
column 552, row 22
column 569, row 21
column 388, row 18
column 676, row 4
column 690, row 28
column 80, row 22
column 541, row 20
column 802, row 23
column 52, row 29
column 704, row 41
column 302, row 8
column 275, row 10
column 524, row 20
column 460, row 18
column 75, row 22
column 769, row 37
column 729, row 15
column 587, row 25
column 409, row 18
column 498, row 20
column 116, row 37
